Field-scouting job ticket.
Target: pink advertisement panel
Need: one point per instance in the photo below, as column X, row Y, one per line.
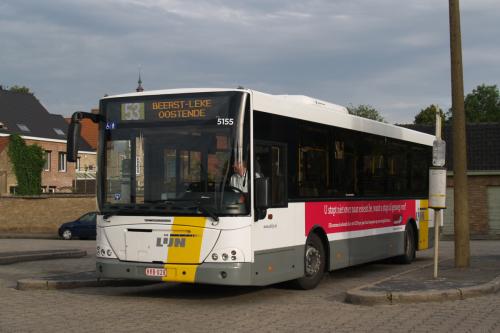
column 341, row 216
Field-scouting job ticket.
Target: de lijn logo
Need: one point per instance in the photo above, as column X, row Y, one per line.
column 172, row 240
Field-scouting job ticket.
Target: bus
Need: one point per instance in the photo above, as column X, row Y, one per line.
column 319, row 189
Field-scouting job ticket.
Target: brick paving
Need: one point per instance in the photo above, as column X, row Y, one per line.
column 198, row 308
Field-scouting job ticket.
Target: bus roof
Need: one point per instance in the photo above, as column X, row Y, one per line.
column 305, row 108
column 333, row 115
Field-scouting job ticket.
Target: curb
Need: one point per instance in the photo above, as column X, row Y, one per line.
column 359, row 296
column 14, row 257
column 38, row 284
column 58, row 282
column 29, row 236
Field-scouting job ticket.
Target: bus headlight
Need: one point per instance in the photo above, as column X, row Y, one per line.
column 232, row 255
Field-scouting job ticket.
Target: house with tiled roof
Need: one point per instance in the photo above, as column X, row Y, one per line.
column 483, row 178
column 23, row 114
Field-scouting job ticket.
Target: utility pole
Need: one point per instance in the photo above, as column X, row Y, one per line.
column 461, row 206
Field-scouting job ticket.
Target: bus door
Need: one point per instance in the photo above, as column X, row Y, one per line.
column 275, row 227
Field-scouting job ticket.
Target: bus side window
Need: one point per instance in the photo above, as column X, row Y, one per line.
column 345, row 159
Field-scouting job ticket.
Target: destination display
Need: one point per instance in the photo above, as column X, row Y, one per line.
column 170, row 109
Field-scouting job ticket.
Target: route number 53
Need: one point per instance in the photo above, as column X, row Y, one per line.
column 132, row 111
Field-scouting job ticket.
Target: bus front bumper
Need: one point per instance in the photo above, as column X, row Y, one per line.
column 210, row 273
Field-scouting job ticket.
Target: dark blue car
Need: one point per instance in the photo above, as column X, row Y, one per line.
column 83, row 227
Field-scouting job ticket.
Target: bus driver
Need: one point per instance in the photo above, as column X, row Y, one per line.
column 239, row 179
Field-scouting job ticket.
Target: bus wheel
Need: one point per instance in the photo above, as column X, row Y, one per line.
column 314, row 264
column 410, row 246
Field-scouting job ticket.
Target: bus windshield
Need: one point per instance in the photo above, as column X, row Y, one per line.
column 174, row 155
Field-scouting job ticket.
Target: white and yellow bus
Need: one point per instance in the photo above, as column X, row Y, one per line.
column 318, row 189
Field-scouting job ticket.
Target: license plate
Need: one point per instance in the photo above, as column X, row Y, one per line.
column 150, row 271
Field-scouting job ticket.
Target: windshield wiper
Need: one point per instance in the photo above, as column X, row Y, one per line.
column 208, row 211
column 129, row 211
column 168, row 201
column 170, row 206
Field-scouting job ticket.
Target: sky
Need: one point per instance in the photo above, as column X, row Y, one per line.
column 391, row 54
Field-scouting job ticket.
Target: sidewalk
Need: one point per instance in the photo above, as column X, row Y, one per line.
column 418, row 285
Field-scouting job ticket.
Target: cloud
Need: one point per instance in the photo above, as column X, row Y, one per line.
column 391, row 54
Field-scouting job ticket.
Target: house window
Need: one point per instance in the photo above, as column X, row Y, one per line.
column 12, row 189
column 47, row 156
column 78, row 165
column 62, row 162
column 59, row 131
column 23, row 127
column 52, row 189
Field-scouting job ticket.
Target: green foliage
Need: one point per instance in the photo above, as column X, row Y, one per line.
column 21, row 89
column 427, row 116
column 481, row 105
column 28, row 164
column 365, row 111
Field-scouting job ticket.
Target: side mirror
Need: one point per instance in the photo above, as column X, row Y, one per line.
column 262, row 200
column 73, row 137
column 74, row 132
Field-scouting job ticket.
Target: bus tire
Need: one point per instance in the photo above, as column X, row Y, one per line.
column 410, row 246
column 314, row 264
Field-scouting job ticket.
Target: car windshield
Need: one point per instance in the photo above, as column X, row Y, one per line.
column 87, row 218
column 177, row 162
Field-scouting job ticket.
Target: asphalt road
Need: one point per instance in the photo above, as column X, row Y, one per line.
column 202, row 308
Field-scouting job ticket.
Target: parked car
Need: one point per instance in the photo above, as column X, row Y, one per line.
column 83, row 227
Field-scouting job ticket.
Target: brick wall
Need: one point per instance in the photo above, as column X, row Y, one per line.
column 478, row 201
column 62, row 181
column 88, row 162
column 41, row 214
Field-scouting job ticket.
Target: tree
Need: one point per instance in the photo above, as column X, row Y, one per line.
column 21, row 89
column 481, row 105
column 28, row 164
column 427, row 116
column 365, row 111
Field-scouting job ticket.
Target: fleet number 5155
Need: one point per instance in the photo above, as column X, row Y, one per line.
column 225, row 121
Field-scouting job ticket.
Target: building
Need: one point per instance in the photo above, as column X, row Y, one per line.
column 23, row 114
column 483, row 176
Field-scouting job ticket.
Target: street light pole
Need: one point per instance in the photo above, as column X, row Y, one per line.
column 461, row 208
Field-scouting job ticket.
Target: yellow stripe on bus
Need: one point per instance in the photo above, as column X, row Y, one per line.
column 180, row 273
column 423, row 232
column 183, row 260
